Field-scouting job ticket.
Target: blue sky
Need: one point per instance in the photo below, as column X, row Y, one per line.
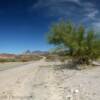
column 24, row 23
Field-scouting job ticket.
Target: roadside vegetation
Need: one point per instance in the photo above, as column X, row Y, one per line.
column 26, row 58
column 76, row 41
column 21, row 58
column 2, row 60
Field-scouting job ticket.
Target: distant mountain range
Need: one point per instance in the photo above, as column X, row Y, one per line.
column 12, row 56
column 5, row 56
column 36, row 52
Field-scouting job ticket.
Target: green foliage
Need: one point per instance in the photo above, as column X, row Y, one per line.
column 82, row 44
column 26, row 58
column 21, row 58
column 52, row 57
column 7, row 60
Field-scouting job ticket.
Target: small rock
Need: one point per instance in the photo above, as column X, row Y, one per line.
column 76, row 91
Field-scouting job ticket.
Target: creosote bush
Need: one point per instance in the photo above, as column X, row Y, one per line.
column 82, row 44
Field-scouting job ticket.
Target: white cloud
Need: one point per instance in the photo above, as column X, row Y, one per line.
column 90, row 10
column 92, row 15
column 84, row 10
column 42, row 3
column 56, row 7
column 88, row 5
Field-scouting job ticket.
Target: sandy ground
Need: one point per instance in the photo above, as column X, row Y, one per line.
column 40, row 80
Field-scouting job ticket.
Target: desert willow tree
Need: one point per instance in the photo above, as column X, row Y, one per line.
column 83, row 45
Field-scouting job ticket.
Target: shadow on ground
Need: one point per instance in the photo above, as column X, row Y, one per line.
column 69, row 65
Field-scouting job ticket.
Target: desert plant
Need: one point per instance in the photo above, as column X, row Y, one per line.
column 2, row 60
column 26, row 58
column 81, row 44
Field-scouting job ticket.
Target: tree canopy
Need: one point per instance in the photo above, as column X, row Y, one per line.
column 81, row 43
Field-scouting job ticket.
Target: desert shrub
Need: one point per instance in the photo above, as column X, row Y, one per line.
column 64, row 58
column 35, row 58
column 52, row 57
column 81, row 43
column 3, row 60
column 7, row 60
column 26, row 58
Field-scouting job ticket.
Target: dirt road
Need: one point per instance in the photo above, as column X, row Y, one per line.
column 40, row 81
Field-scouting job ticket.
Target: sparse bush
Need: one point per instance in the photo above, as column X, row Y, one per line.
column 26, row 58
column 52, row 57
column 82, row 45
column 7, row 60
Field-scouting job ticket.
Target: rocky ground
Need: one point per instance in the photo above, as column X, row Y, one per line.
column 42, row 80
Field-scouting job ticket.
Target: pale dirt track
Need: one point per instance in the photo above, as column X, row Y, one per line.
column 40, row 81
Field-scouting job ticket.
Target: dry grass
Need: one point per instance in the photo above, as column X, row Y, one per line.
column 9, row 65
